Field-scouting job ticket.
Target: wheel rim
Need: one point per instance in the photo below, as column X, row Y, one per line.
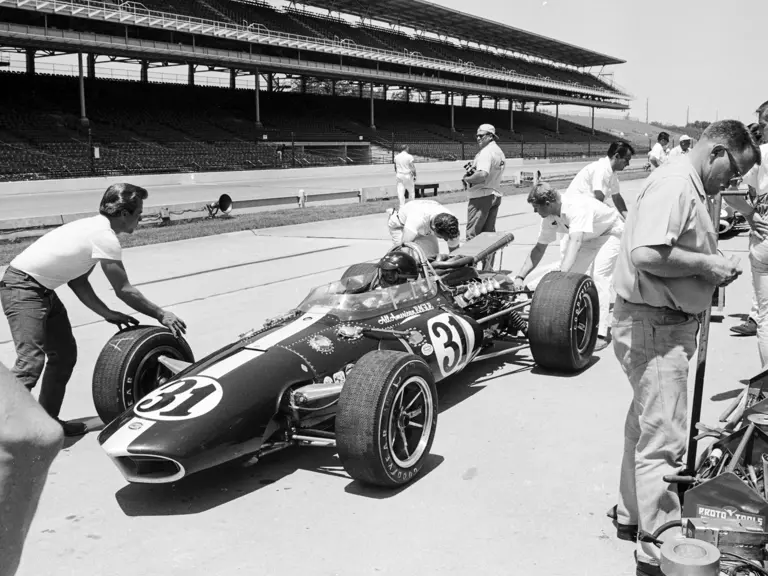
column 583, row 316
column 410, row 421
column 150, row 371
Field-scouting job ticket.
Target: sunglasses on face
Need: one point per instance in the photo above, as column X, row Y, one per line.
column 482, row 135
column 737, row 177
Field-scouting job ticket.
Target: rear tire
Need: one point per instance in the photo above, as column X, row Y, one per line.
column 127, row 368
column 387, row 418
column 562, row 325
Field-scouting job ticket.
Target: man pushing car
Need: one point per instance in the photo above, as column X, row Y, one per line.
column 38, row 320
column 588, row 225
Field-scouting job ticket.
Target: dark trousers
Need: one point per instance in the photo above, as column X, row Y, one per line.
column 481, row 214
column 481, row 217
column 41, row 333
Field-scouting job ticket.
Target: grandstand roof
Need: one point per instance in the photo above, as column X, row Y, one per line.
column 425, row 15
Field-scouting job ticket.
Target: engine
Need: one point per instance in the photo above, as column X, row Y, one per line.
column 483, row 297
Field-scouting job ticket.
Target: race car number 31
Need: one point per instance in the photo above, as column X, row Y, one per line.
column 453, row 340
column 181, row 400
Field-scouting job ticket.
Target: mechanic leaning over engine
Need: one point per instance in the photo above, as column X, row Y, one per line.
column 38, row 320
column 588, row 225
column 423, row 222
column 666, row 274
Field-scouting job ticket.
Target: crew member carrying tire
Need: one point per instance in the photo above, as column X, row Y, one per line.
column 588, row 224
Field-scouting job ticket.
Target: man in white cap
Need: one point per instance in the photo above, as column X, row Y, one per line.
column 405, row 172
column 484, row 180
column 682, row 148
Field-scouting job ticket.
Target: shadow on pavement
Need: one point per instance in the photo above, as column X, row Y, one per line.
column 539, row 370
column 211, row 488
column 356, row 488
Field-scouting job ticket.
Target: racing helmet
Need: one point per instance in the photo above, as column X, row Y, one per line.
column 397, row 268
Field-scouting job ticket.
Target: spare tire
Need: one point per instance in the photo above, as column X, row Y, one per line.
column 127, row 368
column 563, row 320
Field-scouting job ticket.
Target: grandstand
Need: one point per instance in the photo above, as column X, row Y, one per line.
column 333, row 82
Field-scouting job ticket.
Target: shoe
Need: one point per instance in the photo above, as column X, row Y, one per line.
column 646, row 569
column 602, row 343
column 626, row 532
column 73, row 428
column 748, row 328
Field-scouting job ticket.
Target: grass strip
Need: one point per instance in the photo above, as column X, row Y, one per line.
column 155, row 233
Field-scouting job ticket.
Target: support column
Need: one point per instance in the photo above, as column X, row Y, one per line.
column 535, row 106
column 333, row 90
column 373, row 123
column 270, row 80
column 495, row 103
column 453, row 125
column 480, row 101
column 408, row 94
column 593, row 119
column 429, row 96
column 557, row 118
column 31, row 61
column 303, row 84
column 91, row 66
column 191, row 75
column 144, row 71
column 384, row 92
column 463, row 100
column 361, row 89
column 511, row 117
column 83, row 117
column 257, row 89
column 232, row 78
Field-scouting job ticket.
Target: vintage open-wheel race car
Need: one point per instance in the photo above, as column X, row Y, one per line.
column 350, row 368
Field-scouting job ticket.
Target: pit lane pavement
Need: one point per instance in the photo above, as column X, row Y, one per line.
column 523, row 466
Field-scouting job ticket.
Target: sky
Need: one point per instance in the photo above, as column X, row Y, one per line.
column 709, row 55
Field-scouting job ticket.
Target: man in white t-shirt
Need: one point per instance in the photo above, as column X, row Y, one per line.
column 588, row 224
column 599, row 180
column 658, row 154
column 484, row 180
column 423, row 222
column 682, row 148
column 68, row 254
column 405, row 172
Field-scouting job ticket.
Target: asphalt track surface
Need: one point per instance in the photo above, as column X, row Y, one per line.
column 18, row 204
column 523, row 467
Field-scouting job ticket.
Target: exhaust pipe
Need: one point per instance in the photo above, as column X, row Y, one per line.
column 314, row 392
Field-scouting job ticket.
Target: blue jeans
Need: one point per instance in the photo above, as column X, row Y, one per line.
column 41, row 332
column 654, row 347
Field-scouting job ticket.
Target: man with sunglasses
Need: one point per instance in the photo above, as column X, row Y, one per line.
column 484, row 182
column 667, row 271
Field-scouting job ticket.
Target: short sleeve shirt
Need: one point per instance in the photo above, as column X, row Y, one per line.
column 677, row 151
column 596, row 176
column 492, row 161
column 404, row 164
column 581, row 213
column 658, row 152
column 69, row 251
column 671, row 210
column 417, row 217
column 757, row 178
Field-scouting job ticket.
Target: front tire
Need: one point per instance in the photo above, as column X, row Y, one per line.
column 127, row 368
column 387, row 418
column 563, row 321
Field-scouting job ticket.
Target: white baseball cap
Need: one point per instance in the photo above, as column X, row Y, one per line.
column 684, row 137
column 487, row 128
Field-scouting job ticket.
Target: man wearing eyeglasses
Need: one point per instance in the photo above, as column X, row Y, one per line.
column 484, row 183
column 667, row 271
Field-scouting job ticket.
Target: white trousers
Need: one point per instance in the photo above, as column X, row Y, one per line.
column 760, row 291
column 596, row 258
column 405, row 182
